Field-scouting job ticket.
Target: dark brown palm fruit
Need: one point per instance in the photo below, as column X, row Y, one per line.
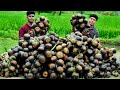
column 26, row 36
column 45, row 74
column 96, row 70
column 91, row 59
column 62, row 75
column 78, row 38
column 37, row 64
column 53, row 75
column 34, row 25
column 41, row 25
column 64, row 45
column 66, row 50
column 114, row 59
column 89, row 40
column 98, row 56
column 7, row 74
column 26, row 70
column 83, row 48
column 31, row 58
column 80, row 20
column 30, row 76
column 107, row 74
column 105, row 57
column 46, row 22
column 89, row 75
column 41, row 42
column 51, row 66
column 42, row 18
column 60, row 69
column 69, row 64
column 42, row 58
column 70, row 70
column 20, row 42
column 84, row 38
column 47, row 39
column 92, row 65
column 25, row 55
column 13, row 57
column 27, row 64
column 59, row 55
column 102, row 74
column 37, row 29
column 16, row 55
column 59, row 47
column 34, row 70
column 17, row 66
column 86, row 68
column 81, row 63
column 35, row 45
column 37, row 20
column 89, row 52
column 41, row 48
column 75, row 60
column 99, row 63
column 73, row 40
column 75, row 50
column 60, row 62
column 96, row 61
column 82, row 26
column 65, row 58
column 103, row 67
column 35, row 53
column 75, row 75
column 38, row 76
column 15, row 50
column 12, row 68
column 78, row 68
column 103, row 51
column 107, row 49
column 94, row 43
column 24, row 44
column 13, row 62
column 79, row 43
column 48, row 46
column 109, row 69
column 113, row 67
column 53, row 58
column 99, row 46
column 113, row 50
column 20, row 48
column 48, row 54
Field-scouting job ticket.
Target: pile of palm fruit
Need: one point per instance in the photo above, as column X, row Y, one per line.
column 50, row 56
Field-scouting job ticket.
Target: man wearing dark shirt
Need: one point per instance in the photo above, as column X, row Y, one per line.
column 93, row 32
column 27, row 27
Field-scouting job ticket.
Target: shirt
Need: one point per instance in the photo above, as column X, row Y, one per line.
column 93, row 33
column 24, row 29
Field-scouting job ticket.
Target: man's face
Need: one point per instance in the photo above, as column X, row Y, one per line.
column 30, row 18
column 91, row 21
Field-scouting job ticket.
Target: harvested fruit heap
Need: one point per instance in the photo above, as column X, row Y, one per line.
column 50, row 56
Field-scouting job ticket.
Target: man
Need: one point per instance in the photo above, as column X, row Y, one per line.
column 93, row 32
column 27, row 27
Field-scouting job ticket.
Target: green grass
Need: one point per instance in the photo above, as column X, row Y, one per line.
column 11, row 21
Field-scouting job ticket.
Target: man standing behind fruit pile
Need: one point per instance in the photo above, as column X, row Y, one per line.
column 27, row 27
column 93, row 32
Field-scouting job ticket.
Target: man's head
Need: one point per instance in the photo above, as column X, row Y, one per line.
column 92, row 19
column 30, row 16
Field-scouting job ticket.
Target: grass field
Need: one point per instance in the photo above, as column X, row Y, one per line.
column 11, row 21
